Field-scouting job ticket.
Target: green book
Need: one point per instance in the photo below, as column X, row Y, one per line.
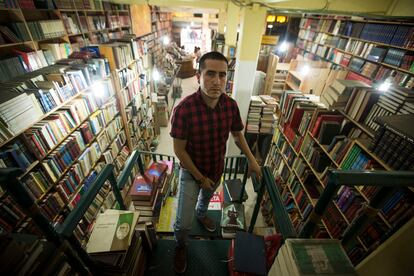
column 113, row 231
column 316, row 257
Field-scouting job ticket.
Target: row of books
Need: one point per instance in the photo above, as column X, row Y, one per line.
column 115, row 148
column 79, row 170
column 46, row 29
column 35, row 256
column 47, row 91
column 393, row 34
column 368, row 69
column 394, row 141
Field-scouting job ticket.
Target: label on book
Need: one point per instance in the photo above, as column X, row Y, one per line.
column 112, row 232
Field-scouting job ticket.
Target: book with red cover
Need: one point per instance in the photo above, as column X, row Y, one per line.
column 156, row 172
column 142, row 189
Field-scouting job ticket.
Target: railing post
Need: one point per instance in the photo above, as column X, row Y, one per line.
column 366, row 215
column 8, row 178
column 116, row 191
column 260, row 193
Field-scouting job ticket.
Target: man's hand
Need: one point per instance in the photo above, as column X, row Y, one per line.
column 206, row 183
column 254, row 168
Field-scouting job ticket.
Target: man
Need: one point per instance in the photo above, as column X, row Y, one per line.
column 201, row 124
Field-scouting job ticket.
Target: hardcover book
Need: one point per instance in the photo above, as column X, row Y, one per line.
column 232, row 216
column 112, row 231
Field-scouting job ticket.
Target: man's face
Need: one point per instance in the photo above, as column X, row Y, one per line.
column 213, row 78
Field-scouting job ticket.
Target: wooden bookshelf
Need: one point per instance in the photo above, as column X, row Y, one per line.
column 323, row 148
column 318, row 26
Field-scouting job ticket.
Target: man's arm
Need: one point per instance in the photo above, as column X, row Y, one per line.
column 187, row 162
column 244, row 147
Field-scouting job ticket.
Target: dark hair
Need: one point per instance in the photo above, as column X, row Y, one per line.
column 211, row 55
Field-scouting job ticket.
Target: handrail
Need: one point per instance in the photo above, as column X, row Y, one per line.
column 388, row 180
column 72, row 220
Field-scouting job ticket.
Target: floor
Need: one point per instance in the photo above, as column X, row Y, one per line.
column 189, row 86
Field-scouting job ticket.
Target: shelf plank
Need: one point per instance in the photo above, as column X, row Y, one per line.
column 41, row 118
column 361, row 126
column 294, row 150
column 323, row 149
column 14, row 44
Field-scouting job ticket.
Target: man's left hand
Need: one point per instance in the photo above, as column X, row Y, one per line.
column 255, row 168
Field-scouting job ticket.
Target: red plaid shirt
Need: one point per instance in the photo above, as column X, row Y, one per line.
column 206, row 131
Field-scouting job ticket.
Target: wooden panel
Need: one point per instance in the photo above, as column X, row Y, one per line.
column 141, row 19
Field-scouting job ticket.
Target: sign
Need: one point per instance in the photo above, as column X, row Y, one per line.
column 270, row 39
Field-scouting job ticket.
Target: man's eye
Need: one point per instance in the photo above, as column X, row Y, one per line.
column 211, row 74
column 222, row 75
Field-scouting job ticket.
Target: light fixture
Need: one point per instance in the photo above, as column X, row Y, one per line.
column 156, row 75
column 269, row 26
column 225, row 28
column 281, row 19
column 305, row 70
column 192, row 24
column 165, row 40
column 283, row 47
column 270, row 18
column 386, row 84
column 98, row 89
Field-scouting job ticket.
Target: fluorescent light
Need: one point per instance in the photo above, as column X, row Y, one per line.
column 283, row 47
column 386, row 84
column 165, row 40
column 98, row 89
column 156, row 75
column 305, row 70
column 269, row 26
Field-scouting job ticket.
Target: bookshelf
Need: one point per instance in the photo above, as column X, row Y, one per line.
column 300, row 162
column 81, row 112
column 370, row 49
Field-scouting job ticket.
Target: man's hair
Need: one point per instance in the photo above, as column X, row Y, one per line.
column 211, row 55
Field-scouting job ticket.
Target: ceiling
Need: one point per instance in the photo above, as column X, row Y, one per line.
column 375, row 8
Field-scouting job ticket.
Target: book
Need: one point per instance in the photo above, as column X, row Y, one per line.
column 232, row 216
column 112, row 231
column 249, row 253
column 143, row 189
column 233, row 188
column 314, row 257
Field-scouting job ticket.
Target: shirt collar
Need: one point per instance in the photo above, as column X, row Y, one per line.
column 200, row 98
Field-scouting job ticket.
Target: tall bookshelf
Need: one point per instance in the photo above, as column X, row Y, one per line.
column 300, row 161
column 77, row 113
column 370, row 49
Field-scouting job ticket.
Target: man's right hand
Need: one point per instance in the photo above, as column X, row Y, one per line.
column 206, row 183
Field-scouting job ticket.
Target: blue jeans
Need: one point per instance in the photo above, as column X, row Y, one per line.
column 190, row 198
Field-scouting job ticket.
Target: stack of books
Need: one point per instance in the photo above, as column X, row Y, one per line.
column 339, row 92
column 312, row 257
column 116, row 245
column 253, row 118
column 394, row 141
column 397, row 100
column 268, row 119
column 147, row 190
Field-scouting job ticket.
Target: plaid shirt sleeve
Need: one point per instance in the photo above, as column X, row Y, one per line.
column 179, row 128
column 237, row 124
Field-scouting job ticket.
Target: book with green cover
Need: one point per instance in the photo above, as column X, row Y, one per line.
column 113, row 231
column 317, row 257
